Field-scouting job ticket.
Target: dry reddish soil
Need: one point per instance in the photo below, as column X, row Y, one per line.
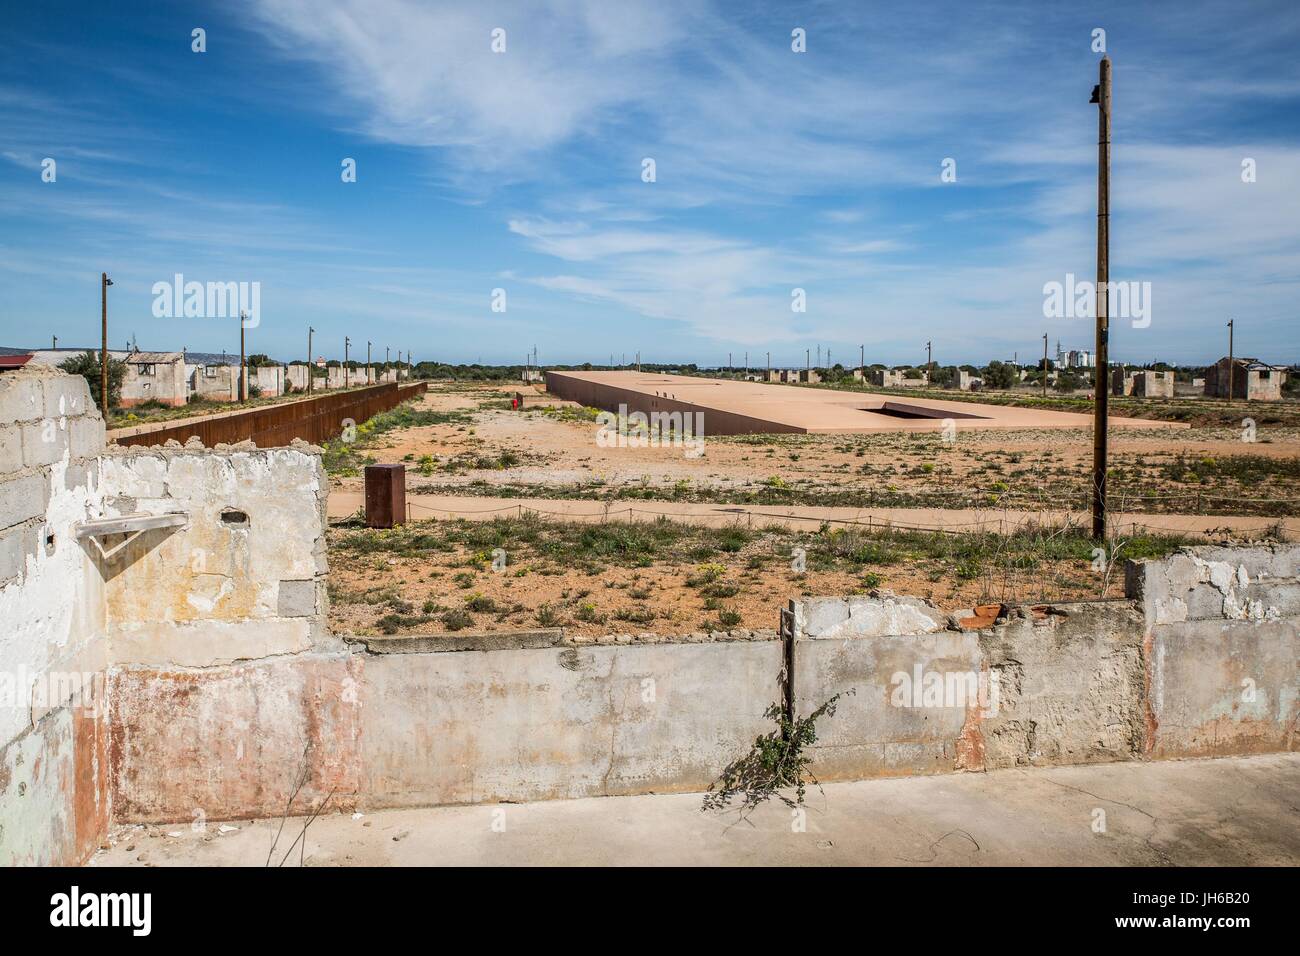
column 365, row 589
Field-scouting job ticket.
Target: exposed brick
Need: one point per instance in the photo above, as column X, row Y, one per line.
column 66, row 395
column 44, row 443
column 87, row 436
column 22, row 499
column 21, row 398
column 11, row 449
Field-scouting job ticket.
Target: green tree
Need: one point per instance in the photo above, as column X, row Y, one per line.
column 88, row 365
column 999, row 375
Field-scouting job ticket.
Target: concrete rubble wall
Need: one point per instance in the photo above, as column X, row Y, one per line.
column 53, row 647
column 1222, row 647
column 1200, row 661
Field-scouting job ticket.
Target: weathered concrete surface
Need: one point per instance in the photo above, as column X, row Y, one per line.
column 243, row 580
column 234, row 741
column 1221, row 648
column 1017, row 686
column 881, row 729
column 476, row 726
column 1069, row 687
column 1237, row 811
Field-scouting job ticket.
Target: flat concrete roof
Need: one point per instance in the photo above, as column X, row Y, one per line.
column 755, row 407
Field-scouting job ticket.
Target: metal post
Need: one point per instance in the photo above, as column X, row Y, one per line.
column 310, row 330
column 243, row 373
column 346, row 342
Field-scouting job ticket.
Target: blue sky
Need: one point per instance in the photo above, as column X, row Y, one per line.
column 775, row 170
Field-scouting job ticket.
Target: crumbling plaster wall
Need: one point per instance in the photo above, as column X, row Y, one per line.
column 53, row 649
column 1221, row 646
column 252, row 551
column 123, row 628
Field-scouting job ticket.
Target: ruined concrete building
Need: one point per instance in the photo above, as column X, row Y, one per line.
column 164, row 656
column 1141, row 383
column 1251, row 379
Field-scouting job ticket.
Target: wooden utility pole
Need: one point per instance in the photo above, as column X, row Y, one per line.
column 1101, row 373
column 1044, row 365
column 310, row 330
column 104, row 283
column 243, row 368
column 1231, row 360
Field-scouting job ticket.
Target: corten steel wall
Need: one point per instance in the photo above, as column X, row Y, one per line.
column 610, row 397
column 314, row 420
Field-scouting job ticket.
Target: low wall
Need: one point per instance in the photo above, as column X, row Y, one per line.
column 313, row 420
column 400, row 722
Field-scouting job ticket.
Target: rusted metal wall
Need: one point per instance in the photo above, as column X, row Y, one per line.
column 315, row 420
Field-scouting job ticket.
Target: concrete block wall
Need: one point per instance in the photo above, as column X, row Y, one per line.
column 53, row 653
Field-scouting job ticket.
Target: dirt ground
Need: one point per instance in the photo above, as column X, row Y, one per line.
column 550, row 450
column 439, row 576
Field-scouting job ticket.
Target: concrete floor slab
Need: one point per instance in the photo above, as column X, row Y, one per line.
column 734, row 408
column 1236, row 811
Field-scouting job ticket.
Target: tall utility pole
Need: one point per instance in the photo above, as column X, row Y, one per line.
column 346, row 342
column 243, row 368
column 104, row 283
column 929, row 361
column 55, row 343
column 769, row 366
column 1101, row 96
column 819, row 356
column 367, row 362
column 729, row 365
column 310, row 330
column 862, row 358
column 1044, row 365
column 807, row 358
column 1231, row 362
column 387, row 350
